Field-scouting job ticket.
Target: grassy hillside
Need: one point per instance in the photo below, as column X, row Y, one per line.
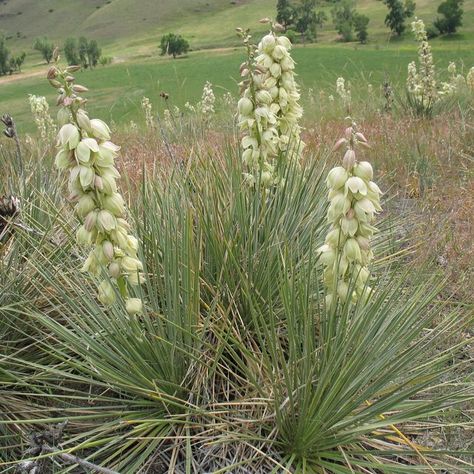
column 116, row 90
column 130, row 31
column 131, row 27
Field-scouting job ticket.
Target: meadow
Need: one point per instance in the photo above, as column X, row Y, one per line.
column 271, row 278
column 117, row 90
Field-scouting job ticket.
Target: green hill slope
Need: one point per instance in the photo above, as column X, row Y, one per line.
column 135, row 26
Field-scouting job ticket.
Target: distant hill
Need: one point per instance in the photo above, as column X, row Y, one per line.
column 133, row 27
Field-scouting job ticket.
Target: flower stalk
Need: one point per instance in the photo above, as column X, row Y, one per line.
column 354, row 200
column 269, row 109
column 85, row 149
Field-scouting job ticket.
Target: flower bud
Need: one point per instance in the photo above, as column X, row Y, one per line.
column 340, row 204
column 78, row 88
column 342, row 290
column 349, row 159
column 360, row 137
column 98, row 183
column 334, row 238
column 73, row 68
column 327, row 255
column 56, row 84
column 339, row 143
column 114, row 270
column 109, row 185
column 90, row 220
column 264, row 97
column 132, row 242
column 52, row 72
column 108, row 249
column 134, row 306
column 83, row 120
column 135, row 279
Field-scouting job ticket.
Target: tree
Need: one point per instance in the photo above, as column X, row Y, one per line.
column 82, row 51
column 45, row 47
column 4, row 57
column 398, row 12
column 174, row 45
column 285, row 13
column 71, row 52
column 307, row 19
column 343, row 18
column 360, row 25
column 93, row 53
column 452, row 13
column 19, row 60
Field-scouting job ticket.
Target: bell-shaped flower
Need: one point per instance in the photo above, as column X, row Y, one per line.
column 134, row 306
column 85, row 205
column 356, row 186
column 363, row 170
column 349, row 226
column 86, row 176
column 337, row 177
column 63, row 159
column 115, row 204
column 106, row 221
column 100, row 129
column 84, row 236
column 364, row 210
column 69, row 136
column 106, row 293
column 268, row 43
column 245, row 106
column 352, row 250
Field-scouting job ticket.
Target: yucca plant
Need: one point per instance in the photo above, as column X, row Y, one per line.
column 236, row 364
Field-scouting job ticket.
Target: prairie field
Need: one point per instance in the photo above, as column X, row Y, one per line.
column 256, row 257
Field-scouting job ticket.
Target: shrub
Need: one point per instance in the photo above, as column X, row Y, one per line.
column 173, row 45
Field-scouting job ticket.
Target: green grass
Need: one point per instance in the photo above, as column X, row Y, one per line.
column 117, row 90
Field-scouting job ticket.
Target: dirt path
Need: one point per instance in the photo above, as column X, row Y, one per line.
column 21, row 76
